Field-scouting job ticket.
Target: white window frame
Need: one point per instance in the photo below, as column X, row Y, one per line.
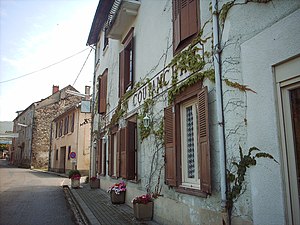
column 189, row 182
column 288, row 78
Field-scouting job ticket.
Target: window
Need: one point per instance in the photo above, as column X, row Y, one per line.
column 73, row 122
column 122, row 151
column 102, row 92
column 101, row 156
column 126, row 63
column 60, row 128
column 56, row 129
column 113, row 155
column 66, row 125
column 186, row 22
column 187, row 142
column 288, row 92
column 56, row 154
column 69, row 152
column 128, row 151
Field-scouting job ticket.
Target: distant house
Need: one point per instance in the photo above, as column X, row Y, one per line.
column 31, row 148
column 180, row 88
column 6, row 129
column 70, row 133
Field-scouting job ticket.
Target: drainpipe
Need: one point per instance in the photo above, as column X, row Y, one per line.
column 92, row 149
column 77, row 138
column 219, row 102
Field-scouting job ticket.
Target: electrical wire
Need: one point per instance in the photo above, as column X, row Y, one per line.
column 82, row 66
column 27, row 74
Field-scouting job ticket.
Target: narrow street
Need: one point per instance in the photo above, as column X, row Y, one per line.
column 29, row 197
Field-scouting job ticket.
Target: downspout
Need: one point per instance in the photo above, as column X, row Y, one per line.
column 77, row 138
column 92, row 149
column 219, row 102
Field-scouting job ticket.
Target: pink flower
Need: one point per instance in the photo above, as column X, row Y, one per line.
column 143, row 199
column 76, row 177
column 118, row 187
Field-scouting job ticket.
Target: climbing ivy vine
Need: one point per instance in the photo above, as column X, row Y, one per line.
column 236, row 178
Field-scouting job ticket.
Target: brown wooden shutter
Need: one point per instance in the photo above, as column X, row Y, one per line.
column 99, row 94
column 176, row 23
column 126, row 67
column 127, row 151
column 184, row 19
column 103, row 92
column 123, row 158
column 130, row 150
column 121, row 73
column 118, row 157
column 193, row 17
column 170, row 150
column 188, row 18
column 110, row 155
column 203, row 147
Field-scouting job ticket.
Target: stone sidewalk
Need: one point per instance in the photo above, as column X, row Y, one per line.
column 98, row 209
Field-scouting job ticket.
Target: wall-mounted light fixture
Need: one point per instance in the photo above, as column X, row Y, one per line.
column 146, row 121
column 104, row 138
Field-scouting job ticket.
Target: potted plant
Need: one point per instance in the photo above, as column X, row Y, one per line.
column 75, row 176
column 117, row 192
column 143, row 207
column 94, row 182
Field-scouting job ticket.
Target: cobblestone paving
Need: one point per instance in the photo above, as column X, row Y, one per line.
column 107, row 213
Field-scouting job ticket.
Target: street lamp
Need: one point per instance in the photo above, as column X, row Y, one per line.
column 22, row 125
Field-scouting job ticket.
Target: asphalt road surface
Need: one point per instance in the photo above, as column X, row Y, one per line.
column 29, row 197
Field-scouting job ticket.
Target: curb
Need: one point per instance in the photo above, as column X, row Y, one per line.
column 83, row 208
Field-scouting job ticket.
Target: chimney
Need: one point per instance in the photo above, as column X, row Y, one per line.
column 87, row 92
column 55, row 89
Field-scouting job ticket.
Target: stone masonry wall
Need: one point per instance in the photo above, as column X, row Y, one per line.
column 42, row 127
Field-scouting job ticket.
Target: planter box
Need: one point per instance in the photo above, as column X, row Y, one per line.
column 143, row 211
column 117, row 198
column 75, row 183
column 95, row 184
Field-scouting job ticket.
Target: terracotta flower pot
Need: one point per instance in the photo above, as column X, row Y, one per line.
column 143, row 211
column 117, row 198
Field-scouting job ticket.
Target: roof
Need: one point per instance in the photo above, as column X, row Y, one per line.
column 100, row 18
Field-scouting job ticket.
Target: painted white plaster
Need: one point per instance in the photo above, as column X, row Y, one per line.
column 153, row 50
column 275, row 44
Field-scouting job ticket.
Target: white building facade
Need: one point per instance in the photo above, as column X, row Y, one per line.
column 180, row 90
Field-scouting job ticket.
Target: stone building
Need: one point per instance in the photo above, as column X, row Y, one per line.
column 31, row 149
column 183, row 91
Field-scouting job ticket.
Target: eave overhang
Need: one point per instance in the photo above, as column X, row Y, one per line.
column 100, row 18
column 123, row 18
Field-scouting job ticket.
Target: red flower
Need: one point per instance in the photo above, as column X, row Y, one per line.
column 143, row 199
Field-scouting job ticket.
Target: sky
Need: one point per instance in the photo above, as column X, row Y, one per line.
column 43, row 43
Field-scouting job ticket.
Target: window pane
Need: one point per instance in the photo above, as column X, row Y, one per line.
column 131, row 67
column 190, row 142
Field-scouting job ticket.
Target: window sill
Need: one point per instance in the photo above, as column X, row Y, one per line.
column 191, row 191
column 135, row 181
